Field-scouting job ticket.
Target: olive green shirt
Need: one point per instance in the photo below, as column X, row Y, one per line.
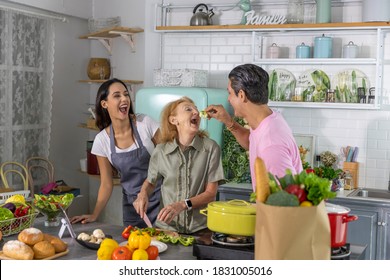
column 185, row 175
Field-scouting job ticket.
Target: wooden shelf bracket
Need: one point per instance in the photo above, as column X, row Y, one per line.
column 128, row 37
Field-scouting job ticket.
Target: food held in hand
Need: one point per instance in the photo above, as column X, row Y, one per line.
column 203, row 114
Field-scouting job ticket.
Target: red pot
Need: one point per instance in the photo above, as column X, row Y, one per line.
column 339, row 219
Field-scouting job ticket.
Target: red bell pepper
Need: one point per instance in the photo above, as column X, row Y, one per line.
column 21, row 211
column 298, row 191
column 126, row 232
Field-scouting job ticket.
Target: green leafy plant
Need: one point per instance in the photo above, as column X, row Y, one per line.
column 235, row 160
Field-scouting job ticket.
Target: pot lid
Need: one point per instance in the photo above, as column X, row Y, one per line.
column 337, row 209
column 234, row 206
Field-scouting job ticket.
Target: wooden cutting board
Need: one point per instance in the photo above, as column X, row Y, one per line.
column 3, row 257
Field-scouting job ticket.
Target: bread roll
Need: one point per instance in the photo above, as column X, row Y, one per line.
column 17, row 250
column 43, row 249
column 59, row 245
column 30, row 236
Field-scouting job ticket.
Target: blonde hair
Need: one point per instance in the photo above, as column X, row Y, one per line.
column 168, row 130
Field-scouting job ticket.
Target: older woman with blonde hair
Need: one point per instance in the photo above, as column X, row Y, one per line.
column 190, row 166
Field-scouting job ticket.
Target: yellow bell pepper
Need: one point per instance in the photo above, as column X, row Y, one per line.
column 139, row 240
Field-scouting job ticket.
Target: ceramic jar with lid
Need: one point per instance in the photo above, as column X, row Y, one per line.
column 323, row 11
column 350, row 50
column 323, row 47
column 273, row 51
column 302, row 51
column 295, row 11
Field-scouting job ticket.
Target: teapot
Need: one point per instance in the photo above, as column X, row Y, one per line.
column 200, row 17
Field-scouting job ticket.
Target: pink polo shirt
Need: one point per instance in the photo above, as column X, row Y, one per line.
column 274, row 143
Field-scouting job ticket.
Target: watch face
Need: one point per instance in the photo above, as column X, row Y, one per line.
column 188, row 203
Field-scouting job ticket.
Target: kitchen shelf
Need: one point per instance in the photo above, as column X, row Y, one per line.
column 132, row 82
column 323, row 105
column 105, row 36
column 276, row 27
column 316, row 61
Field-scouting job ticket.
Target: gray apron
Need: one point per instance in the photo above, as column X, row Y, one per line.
column 133, row 169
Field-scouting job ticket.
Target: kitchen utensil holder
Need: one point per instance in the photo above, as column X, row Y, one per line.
column 353, row 168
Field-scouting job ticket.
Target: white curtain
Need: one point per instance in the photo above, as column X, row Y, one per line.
column 26, row 77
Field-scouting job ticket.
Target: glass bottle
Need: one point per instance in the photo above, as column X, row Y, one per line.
column 295, row 11
column 348, row 180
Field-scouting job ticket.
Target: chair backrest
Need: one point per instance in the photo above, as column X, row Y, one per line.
column 36, row 166
column 15, row 168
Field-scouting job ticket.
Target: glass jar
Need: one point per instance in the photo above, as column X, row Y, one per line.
column 295, row 11
column 348, row 180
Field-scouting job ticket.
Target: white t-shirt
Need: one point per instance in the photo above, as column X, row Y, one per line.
column 146, row 127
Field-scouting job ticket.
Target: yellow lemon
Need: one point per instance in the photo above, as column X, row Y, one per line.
column 106, row 248
column 306, row 204
column 140, row 254
column 109, row 242
column 17, row 198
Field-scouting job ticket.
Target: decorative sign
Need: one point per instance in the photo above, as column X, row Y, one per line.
column 252, row 19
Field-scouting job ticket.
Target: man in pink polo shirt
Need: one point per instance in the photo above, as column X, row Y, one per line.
column 269, row 136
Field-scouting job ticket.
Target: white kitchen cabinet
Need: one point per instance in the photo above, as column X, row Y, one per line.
column 371, row 37
column 372, row 227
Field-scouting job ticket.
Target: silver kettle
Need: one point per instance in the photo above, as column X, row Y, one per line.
column 200, row 17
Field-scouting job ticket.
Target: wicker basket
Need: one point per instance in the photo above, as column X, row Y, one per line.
column 96, row 24
column 4, row 196
column 16, row 225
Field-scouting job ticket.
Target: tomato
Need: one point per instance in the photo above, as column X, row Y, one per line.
column 140, row 254
column 139, row 240
column 126, row 232
column 122, row 253
column 298, row 191
column 152, row 252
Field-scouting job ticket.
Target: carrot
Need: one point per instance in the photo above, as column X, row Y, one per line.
column 262, row 180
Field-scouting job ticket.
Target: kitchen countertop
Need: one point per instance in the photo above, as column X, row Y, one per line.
column 78, row 252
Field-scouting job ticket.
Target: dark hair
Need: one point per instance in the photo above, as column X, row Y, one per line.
column 102, row 117
column 253, row 80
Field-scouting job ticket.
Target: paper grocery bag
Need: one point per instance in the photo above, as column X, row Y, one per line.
column 292, row 233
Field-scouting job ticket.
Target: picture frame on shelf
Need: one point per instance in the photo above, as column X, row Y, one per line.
column 307, row 144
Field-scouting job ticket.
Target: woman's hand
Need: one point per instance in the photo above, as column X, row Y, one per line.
column 83, row 219
column 169, row 212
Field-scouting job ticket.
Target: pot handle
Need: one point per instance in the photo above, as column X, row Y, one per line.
column 238, row 201
column 347, row 219
column 203, row 211
column 197, row 6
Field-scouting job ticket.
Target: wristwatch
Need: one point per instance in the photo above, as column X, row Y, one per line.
column 188, row 204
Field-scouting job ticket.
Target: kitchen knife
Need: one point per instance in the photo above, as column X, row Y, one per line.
column 355, row 154
column 147, row 221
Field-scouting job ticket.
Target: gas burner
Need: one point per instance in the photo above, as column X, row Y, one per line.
column 340, row 252
column 232, row 240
